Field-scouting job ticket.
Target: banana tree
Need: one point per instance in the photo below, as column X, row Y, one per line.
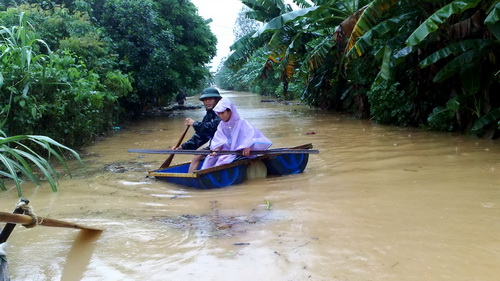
column 291, row 36
column 466, row 56
column 448, row 36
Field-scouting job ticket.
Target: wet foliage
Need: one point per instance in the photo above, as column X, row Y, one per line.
column 432, row 64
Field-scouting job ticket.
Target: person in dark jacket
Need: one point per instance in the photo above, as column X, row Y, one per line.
column 181, row 97
column 204, row 130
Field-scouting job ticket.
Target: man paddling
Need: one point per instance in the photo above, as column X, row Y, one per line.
column 204, row 130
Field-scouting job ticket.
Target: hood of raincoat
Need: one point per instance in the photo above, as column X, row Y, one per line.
column 237, row 133
column 224, row 104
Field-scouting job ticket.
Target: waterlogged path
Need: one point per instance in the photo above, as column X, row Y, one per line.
column 377, row 203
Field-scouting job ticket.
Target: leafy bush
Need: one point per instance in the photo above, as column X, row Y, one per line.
column 54, row 94
column 442, row 117
column 390, row 105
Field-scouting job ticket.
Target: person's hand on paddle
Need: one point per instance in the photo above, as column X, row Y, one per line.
column 214, row 152
column 246, row 151
column 189, row 122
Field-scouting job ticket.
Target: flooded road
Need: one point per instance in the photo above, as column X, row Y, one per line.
column 377, row 203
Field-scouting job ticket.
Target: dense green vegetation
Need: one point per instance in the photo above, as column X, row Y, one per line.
column 433, row 64
column 71, row 69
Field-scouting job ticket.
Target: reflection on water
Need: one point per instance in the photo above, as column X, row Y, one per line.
column 377, row 203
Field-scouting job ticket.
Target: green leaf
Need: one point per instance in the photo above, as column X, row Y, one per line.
column 488, row 119
column 432, row 23
column 14, row 160
column 23, row 166
column 457, row 48
column 385, row 70
column 280, row 21
column 493, row 21
column 471, row 79
column 465, row 60
column 10, row 167
column 26, row 89
column 494, row 15
column 378, row 31
column 368, row 19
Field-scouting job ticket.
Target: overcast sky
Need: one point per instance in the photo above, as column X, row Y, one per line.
column 223, row 13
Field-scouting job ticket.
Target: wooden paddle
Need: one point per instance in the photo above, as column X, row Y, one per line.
column 24, row 219
column 169, row 159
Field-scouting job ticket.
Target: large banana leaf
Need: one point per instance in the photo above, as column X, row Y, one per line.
column 280, row 21
column 490, row 118
column 457, row 64
column 471, row 78
column 458, row 48
column 317, row 55
column 378, row 31
column 469, row 55
column 432, row 23
column 468, row 65
column 387, row 65
column 368, row 19
column 265, row 10
column 243, row 48
column 493, row 21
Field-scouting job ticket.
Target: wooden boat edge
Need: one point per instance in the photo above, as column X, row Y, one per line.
column 198, row 173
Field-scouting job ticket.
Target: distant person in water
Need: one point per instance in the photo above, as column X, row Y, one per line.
column 204, row 130
column 181, row 97
column 233, row 133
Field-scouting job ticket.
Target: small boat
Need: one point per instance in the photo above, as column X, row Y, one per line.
column 236, row 172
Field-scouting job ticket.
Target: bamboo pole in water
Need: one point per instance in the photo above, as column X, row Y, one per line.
column 24, row 219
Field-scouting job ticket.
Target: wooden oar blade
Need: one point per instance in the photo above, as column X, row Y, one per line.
column 168, row 161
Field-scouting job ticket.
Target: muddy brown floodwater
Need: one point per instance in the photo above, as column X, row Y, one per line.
column 377, row 203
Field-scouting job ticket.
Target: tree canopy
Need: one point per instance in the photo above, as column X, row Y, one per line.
column 70, row 68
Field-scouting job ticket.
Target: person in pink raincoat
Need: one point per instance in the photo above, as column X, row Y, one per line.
column 233, row 133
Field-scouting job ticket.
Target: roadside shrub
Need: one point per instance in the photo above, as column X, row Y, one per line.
column 389, row 104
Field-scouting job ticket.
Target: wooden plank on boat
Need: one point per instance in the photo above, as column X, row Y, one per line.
column 178, row 175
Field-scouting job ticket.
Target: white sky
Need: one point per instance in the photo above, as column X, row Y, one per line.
column 224, row 14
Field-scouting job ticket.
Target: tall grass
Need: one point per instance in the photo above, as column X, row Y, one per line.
column 18, row 158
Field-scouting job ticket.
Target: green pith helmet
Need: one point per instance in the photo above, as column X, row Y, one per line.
column 210, row 93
